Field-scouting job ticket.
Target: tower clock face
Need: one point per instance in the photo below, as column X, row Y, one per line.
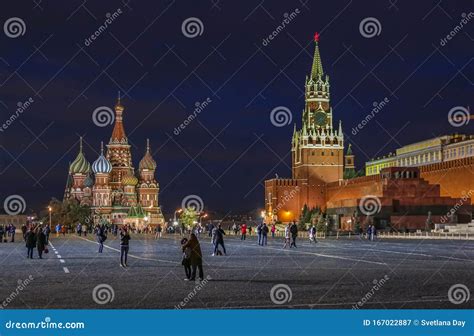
column 320, row 118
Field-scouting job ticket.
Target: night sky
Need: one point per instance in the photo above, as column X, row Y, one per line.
column 226, row 153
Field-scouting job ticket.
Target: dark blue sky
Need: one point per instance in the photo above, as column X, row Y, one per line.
column 232, row 147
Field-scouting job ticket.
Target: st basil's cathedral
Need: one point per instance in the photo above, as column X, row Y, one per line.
column 115, row 191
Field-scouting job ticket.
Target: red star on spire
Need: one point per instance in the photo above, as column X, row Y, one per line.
column 316, row 37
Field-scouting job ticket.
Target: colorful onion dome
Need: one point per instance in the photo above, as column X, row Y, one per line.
column 89, row 181
column 147, row 161
column 129, row 180
column 80, row 165
column 101, row 165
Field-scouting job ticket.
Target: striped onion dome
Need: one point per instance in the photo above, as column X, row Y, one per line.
column 101, row 165
column 129, row 180
column 80, row 165
column 89, row 181
column 147, row 161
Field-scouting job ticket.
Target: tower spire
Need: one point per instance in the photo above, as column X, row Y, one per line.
column 102, row 148
column 80, row 144
column 317, row 68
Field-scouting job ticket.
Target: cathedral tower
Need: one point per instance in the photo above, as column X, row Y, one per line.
column 318, row 147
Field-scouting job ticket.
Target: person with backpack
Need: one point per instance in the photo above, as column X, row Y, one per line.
column 218, row 238
column 124, row 246
column 186, row 262
column 294, row 234
column 264, row 234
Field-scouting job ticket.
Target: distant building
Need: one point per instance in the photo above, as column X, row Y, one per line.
column 440, row 149
column 112, row 187
column 420, row 183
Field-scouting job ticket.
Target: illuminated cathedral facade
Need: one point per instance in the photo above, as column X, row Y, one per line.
column 116, row 191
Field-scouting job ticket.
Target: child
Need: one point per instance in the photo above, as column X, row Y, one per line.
column 186, row 259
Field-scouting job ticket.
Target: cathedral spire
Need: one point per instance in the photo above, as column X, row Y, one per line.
column 317, row 68
column 118, row 134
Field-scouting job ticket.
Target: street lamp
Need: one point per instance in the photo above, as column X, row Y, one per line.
column 50, row 211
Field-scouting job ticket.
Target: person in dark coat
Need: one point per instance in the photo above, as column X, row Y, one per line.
column 40, row 242
column 218, row 239
column 12, row 231
column 196, row 256
column 101, row 235
column 124, row 246
column 30, row 240
column 294, row 234
column 24, row 229
column 264, row 234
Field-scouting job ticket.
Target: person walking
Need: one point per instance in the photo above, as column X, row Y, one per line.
column 40, row 242
column 124, row 246
column 369, row 232
column 101, row 235
column 196, row 257
column 58, row 230
column 294, row 234
column 84, row 230
column 30, row 240
column 243, row 231
column 12, row 233
column 259, row 233
column 2, row 232
column 24, row 229
column 312, row 234
column 218, row 237
column 264, row 234
column 79, row 229
column 287, row 236
column 273, row 229
column 47, row 231
column 373, row 233
column 186, row 262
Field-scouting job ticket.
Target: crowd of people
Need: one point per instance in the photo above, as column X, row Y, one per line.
column 7, row 233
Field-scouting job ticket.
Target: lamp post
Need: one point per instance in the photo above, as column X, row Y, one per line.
column 50, row 210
